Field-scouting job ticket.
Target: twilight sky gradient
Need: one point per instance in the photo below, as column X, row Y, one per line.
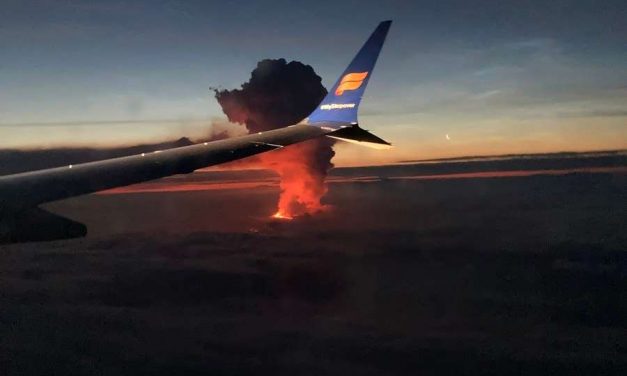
column 496, row 76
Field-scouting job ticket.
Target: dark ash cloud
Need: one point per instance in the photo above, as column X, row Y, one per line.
column 278, row 94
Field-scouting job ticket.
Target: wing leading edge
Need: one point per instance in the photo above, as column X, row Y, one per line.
column 20, row 194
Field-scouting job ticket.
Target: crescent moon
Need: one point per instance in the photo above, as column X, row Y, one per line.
column 447, row 137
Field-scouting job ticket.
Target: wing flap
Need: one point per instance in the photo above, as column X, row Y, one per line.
column 35, row 224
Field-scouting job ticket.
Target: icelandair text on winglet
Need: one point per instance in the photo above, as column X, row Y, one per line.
column 337, row 106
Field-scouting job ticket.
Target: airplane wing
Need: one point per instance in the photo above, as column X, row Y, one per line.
column 336, row 116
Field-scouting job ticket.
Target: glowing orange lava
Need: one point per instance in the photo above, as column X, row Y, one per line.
column 279, row 215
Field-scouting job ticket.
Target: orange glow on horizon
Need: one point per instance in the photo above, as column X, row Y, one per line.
column 257, row 184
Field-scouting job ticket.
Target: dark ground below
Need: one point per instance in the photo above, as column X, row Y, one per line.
column 468, row 277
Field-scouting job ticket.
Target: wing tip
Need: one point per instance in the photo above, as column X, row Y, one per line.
column 359, row 136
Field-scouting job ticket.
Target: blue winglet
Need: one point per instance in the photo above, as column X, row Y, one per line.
column 340, row 106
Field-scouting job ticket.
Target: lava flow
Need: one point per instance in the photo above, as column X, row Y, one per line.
column 279, row 215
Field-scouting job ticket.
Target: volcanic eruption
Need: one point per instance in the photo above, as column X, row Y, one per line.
column 279, row 94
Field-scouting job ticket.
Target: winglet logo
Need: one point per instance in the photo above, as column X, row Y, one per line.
column 351, row 81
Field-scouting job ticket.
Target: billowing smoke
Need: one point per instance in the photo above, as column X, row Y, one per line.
column 279, row 94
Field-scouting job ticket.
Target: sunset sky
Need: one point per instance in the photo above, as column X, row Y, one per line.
column 497, row 77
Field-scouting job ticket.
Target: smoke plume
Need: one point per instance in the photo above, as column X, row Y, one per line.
column 279, row 94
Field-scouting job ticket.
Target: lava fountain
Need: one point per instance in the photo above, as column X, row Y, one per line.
column 279, row 94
